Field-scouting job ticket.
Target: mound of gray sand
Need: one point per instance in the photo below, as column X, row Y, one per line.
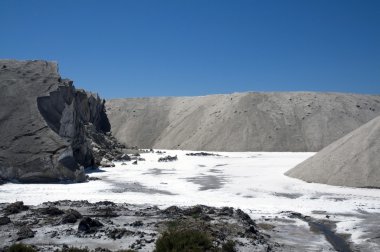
column 353, row 160
column 296, row 121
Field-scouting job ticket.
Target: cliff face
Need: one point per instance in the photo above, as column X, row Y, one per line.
column 49, row 129
column 297, row 121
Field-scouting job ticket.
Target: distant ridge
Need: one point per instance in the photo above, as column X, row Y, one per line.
column 294, row 121
column 353, row 160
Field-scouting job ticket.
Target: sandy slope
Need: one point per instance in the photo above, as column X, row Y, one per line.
column 353, row 160
column 242, row 121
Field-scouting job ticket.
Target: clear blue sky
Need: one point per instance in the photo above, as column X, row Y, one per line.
column 195, row 47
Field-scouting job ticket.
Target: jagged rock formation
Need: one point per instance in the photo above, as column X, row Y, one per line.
column 49, row 129
column 353, row 160
column 299, row 121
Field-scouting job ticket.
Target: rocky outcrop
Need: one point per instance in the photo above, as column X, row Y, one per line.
column 133, row 228
column 353, row 160
column 297, row 121
column 50, row 131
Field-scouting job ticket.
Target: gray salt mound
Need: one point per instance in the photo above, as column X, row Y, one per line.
column 298, row 121
column 353, row 160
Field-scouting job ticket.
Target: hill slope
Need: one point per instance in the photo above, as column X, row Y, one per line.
column 297, row 121
column 350, row 161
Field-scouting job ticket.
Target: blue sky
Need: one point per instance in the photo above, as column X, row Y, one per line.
column 142, row 48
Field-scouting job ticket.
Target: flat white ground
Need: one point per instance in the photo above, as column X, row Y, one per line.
column 251, row 181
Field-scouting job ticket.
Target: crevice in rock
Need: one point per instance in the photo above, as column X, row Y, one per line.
column 29, row 134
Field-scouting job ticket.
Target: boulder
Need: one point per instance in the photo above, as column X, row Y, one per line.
column 4, row 220
column 16, row 207
column 71, row 216
column 25, row 233
column 168, row 159
column 51, row 211
column 88, row 225
column 106, row 163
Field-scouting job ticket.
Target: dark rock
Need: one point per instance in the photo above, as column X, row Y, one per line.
column 24, row 233
column 71, row 216
column 88, row 225
column 105, row 203
column 93, row 178
column 102, row 250
column 211, row 211
column 16, row 207
column 252, row 229
column 53, row 129
column 4, row 220
column 226, row 211
column 107, row 212
column 244, row 217
column 118, row 233
column 137, row 224
column 52, row 211
column 135, row 162
column 173, row 210
column 54, row 234
column 168, row 159
column 123, row 157
column 193, row 211
column 296, row 215
column 201, row 154
column 206, row 218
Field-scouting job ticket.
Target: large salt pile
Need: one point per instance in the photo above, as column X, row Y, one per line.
column 353, row 160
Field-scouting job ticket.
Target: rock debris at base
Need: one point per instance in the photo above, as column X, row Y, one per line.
column 125, row 226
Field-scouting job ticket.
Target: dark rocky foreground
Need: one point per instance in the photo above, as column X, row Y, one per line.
column 50, row 130
column 106, row 226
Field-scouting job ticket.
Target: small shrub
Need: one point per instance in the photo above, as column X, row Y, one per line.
column 175, row 240
column 19, row 247
column 229, row 246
